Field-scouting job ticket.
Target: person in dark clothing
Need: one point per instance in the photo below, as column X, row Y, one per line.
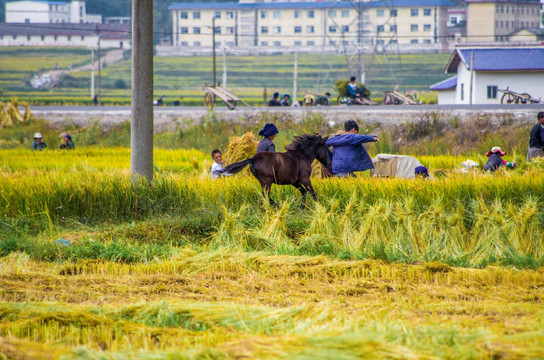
column 285, row 101
column 38, row 144
column 495, row 160
column 349, row 153
column 268, row 132
column 275, row 100
column 536, row 140
column 68, row 143
column 355, row 92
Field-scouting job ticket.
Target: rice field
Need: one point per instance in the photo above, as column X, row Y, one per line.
column 92, row 267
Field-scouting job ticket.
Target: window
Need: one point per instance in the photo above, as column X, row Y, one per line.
column 27, row 21
column 462, row 92
column 184, row 30
column 393, row 13
column 229, row 30
column 332, row 43
column 311, row 14
column 229, row 43
column 277, row 14
column 184, row 15
column 414, row 41
column 29, row 37
column 427, row 27
column 298, row 43
column 507, row 24
column 395, row 41
column 277, row 43
column 196, row 15
column 184, row 43
column 43, row 38
column 413, row 27
column 310, row 43
column 297, row 14
column 218, row 29
column 380, row 42
column 345, row 13
column 332, row 28
column 69, row 38
column 426, row 41
column 380, row 13
column 345, row 28
column 276, row 29
column 492, row 91
column 196, row 43
column 264, row 43
column 56, row 37
column 229, row 15
column 218, row 43
column 393, row 28
column 217, row 15
column 264, row 14
column 345, row 42
column 196, row 30
column 379, row 29
column 298, row 29
column 264, row 29
column 414, row 12
column 332, row 14
column 310, row 29
column 82, row 38
column 426, row 12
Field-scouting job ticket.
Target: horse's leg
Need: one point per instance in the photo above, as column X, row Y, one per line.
column 303, row 191
column 266, row 192
column 308, row 186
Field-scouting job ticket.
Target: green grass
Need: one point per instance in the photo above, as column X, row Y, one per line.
column 185, row 76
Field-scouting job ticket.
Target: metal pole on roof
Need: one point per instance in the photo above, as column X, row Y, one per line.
column 141, row 130
column 213, row 50
column 295, row 74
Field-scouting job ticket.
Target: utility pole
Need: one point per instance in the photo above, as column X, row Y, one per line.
column 213, row 50
column 99, row 69
column 92, row 73
column 471, row 75
column 361, row 55
column 141, row 130
column 224, row 67
column 295, row 71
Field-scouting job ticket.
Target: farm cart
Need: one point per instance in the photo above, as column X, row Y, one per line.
column 510, row 97
column 228, row 98
column 396, row 98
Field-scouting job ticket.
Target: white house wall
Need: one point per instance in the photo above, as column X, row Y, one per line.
column 63, row 40
column 446, row 97
column 520, row 82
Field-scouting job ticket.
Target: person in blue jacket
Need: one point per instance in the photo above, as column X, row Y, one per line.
column 349, row 154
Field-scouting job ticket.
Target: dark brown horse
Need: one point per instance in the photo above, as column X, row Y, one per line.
column 289, row 168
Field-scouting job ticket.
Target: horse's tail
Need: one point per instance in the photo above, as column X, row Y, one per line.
column 237, row 167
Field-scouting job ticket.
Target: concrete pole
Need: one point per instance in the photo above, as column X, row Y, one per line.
column 92, row 73
column 141, row 143
column 295, row 71
column 224, row 68
column 471, row 76
column 213, row 51
column 99, row 74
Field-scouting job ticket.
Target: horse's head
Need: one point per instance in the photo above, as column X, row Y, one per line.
column 322, row 151
column 311, row 146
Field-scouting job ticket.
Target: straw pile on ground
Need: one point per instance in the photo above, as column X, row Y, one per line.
column 10, row 113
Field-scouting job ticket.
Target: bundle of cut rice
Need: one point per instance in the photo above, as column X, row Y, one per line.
column 241, row 148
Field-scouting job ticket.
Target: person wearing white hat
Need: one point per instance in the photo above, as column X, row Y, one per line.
column 38, row 144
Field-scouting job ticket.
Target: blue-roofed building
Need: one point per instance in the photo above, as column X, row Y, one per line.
column 312, row 25
column 520, row 69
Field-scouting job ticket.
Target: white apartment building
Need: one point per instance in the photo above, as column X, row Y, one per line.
column 113, row 36
column 49, row 12
column 342, row 24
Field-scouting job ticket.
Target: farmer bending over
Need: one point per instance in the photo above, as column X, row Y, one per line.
column 268, row 132
column 349, row 153
column 495, row 160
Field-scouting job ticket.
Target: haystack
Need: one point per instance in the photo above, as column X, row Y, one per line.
column 241, row 148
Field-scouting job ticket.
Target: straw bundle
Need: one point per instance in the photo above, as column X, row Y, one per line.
column 240, row 148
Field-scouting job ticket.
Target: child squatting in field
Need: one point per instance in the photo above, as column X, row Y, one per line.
column 217, row 167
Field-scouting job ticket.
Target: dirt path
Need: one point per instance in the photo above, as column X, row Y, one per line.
column 111, row 57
